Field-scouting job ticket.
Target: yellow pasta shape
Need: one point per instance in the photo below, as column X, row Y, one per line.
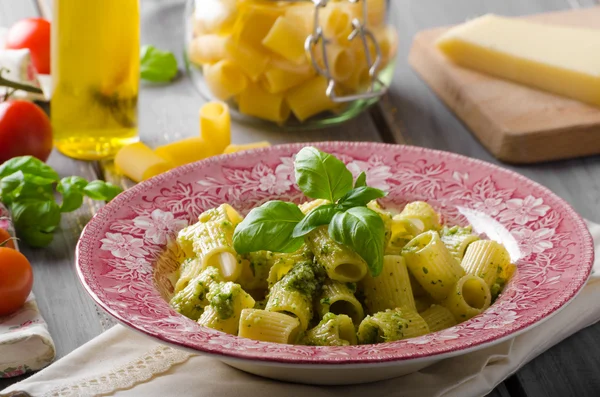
column 485, row 258
column 423, row 303
column 332, row 330
column 191, row 300
column 219, row 20
column 252, row 61
column 283, row 263
column 227, row 300
column 248, row 146
column 278, row 80
column 311, row 205
column 469, row 297
column 208, row 48
column 185, row 151
column 387, row 37
column 287, row 40
column 337, row 22
column 215, row 125
column 340, row 262
column 401, row 233
column 268, row 326
column 391, row 325
column 457, row 239
column 301, row 15
column 431, row 264
column 138, row 162
column 254, row 101
column 359, row 79
column 438, row 318
column 389, row 290
column 225, row 79
column 340, row 60
column 338, row 298
column 254, row 23
column 292, row 302
column 255, row 270
column 310, row 98
column 420, row 216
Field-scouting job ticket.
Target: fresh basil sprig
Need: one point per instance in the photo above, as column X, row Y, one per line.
column 27, row 187
column 279, row 226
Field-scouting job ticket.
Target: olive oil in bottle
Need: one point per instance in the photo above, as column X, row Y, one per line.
column 95, row 74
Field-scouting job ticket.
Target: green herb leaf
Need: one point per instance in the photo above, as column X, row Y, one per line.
column 269, row 227
column 100, row 190
column 156, row 65
column 362, row 230
column 36, row 220
column 321, row 175
column 28, row 165
column 360, row 197
column 18, row 186
column 71, row 189
column 321, row 215
column 361, row 180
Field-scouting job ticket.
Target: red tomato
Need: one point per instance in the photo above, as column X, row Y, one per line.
column 16, row 280
column 24, row 130
column 5, row 239
column 32, row 33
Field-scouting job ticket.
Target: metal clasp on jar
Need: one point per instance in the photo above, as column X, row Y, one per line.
column 360, row 31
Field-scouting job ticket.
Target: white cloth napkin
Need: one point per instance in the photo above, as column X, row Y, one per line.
column 123, row 363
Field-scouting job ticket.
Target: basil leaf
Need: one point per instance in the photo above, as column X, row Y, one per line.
column 361, row 180
column 18, row 186
column 156, row 65
column 28, row 165
column 321, row 175
column 269, row 227
column 359, row 197
column 362, row 230
column 100, row 190
column 36, row 220
column 71, row 189
column 319, row 216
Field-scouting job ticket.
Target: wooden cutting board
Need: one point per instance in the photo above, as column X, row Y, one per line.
column 517, row 124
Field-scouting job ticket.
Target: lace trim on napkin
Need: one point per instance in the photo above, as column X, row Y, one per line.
column 154, row 362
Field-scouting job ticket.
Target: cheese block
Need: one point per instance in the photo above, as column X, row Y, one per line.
column 561, row 60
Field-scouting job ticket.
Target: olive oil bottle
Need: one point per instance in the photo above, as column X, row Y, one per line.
column 95, row 75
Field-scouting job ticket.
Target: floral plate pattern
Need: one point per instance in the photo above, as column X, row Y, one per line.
column 125, row 253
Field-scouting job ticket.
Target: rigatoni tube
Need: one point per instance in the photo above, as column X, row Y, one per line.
column 486, row 259
column 338, row 298
column 389, row 290
column 332, row 330
column 438, row 318
column 432, row 265
column 339, row 261
column 268, row 326
column 391, row 325
column 469, row 297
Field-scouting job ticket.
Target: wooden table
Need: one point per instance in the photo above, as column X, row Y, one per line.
column 411, row 114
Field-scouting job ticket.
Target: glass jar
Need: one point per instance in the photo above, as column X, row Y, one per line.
column 95, row 76
column 299, row 64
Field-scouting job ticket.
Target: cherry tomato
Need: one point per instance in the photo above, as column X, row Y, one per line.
column 32, row 33
column 16, row 280
column 6, row 239
column 24, row 130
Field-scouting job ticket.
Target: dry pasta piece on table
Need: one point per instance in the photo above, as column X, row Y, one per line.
column 186, row 151
column 139, row 162
column 215, row 125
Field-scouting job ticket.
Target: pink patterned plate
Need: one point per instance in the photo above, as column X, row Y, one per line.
column 125, row 255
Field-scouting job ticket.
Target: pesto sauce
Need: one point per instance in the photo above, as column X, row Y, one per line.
column 305, row 277
column 221, row 298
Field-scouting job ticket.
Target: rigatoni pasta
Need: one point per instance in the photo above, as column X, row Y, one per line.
column 323, row 293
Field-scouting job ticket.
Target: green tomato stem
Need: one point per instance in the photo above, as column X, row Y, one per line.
column 4, row 82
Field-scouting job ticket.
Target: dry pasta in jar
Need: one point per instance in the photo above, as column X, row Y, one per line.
column 253, row 54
